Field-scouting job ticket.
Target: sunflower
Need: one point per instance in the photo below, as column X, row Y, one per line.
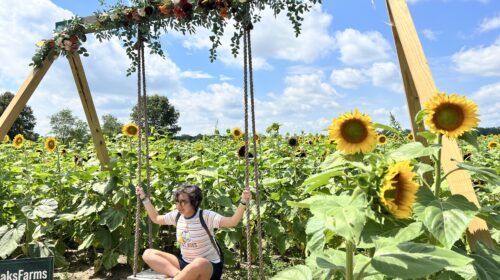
column 241, row 152
column 6, row 139
column 50, row 144
column 293, row 141
column 492, row 144
column 257, row 138
column 236, row 133
column 353, row 132
column 451, row 115
column 18, row 141
column 382, row 139
column 410, row 137
column 398, row 190
column 130, row 130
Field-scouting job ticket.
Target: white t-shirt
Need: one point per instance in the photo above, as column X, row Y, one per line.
column 193, row 238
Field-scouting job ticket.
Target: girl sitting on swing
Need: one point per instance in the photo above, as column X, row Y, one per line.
column 201, row 257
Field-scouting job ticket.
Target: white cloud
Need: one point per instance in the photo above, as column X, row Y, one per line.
column 386, row 75
column 348, row 78
column 489, row 24
column 361, row 48
column 196, row 75
column 488, row 100
column 429, row 34
column 225, row 78
column 278, row 42
column 482, row 61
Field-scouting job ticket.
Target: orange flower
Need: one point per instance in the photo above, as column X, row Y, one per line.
column 224, row 13
column 164, row 9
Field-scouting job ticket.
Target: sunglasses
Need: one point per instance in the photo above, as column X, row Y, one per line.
column 182, row 202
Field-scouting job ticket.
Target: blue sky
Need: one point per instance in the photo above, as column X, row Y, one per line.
column 344, row 60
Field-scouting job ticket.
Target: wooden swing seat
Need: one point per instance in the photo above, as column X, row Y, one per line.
column 147, row 274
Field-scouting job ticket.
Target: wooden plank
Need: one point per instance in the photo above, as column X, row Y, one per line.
column 22, row 96
column 147, row 274
column 419, row 87
column 88, row 106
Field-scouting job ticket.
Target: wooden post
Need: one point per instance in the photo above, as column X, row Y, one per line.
column 22, row 96
column 419, row 87
column 88, row 106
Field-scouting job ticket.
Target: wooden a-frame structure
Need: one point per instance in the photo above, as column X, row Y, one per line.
column 418, row 83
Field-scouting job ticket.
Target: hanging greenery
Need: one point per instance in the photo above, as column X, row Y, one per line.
column 153, row 18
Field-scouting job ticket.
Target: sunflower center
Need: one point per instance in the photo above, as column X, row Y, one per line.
column 354, row 131
column 19, row 141
column 236, row 133
column 449, row 117
column 381, row 139
column 51, row 144
column 131, row 130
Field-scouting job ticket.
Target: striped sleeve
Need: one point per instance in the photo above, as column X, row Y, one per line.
column 212, row 219
column 170, row 217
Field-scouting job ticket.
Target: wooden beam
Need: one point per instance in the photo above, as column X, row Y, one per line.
column 419, row 87
column 88, row 106
column 22, row 96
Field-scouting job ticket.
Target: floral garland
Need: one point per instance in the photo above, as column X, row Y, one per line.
column 149, row 18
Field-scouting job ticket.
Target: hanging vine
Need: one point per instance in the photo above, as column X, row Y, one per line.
column 157, row 17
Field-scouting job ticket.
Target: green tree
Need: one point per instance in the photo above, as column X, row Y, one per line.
column 161, row 114
column 68, row 127
column 25, row 122
column 110, row 125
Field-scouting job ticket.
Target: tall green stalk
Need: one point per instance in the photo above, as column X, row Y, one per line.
column 349, row 260
column 437, row 168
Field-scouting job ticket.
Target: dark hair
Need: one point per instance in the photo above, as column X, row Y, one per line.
column 193, row 192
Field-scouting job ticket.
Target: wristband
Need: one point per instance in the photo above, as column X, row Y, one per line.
column 146, row 201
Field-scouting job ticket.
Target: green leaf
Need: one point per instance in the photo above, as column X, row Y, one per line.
column 412, row 150
column 447, row 220
column 316, row 237
column 9, row 239
column 491, row 215
column 317, row 180
column 359, row 263
column 419, row 117
column 301, row 272
column 484, row 173
column 331, row 259
column 429, row 136
column 111, row 185
column 110, row 259
column 471, row 138
column 424, row 198
column 385, row 127
column 103, row 236
column 486, row 262
column 342, row 214
column 86, row 242
column 210, row 172
column 113, row 218
column 46, row 208
column 414, row 260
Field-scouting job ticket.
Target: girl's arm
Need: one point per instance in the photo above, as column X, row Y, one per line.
column 152, row 213
column 229, row 222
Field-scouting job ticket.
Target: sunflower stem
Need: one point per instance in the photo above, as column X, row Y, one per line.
column 349, row 268
column 437, row 167
column 446, row 175
column 59, row 170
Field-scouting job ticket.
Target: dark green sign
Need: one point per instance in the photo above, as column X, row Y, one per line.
column 27, row 269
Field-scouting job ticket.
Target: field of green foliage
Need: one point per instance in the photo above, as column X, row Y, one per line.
column 324, row 213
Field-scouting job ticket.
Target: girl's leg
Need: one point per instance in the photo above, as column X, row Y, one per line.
column 161, row 262
column 198, row 269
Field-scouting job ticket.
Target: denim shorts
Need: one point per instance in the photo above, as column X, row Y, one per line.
column 217, row 268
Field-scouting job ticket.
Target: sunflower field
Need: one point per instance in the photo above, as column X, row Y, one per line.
column 358, row 203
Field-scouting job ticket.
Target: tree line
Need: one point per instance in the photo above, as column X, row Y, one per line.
column 69, row 128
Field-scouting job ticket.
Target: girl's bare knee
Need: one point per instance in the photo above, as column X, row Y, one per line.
column 148, row 255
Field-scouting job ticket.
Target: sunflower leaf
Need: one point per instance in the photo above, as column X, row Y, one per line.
column 447, row 220
column 486, row 263
column 386, row 127
column 484, row 173
column 414, row 260
column 317, row 180
column 413, row 150
column 295, row 272
column 419, row 117
column 471, row 138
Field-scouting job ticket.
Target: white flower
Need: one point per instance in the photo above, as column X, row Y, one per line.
column 176, row 2
column 243, row 1
column 114, row 16
column 141, row 12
